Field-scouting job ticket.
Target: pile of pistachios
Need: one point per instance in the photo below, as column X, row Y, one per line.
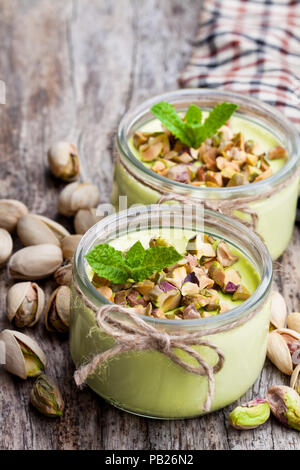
column 48, row 250
column 284, row 352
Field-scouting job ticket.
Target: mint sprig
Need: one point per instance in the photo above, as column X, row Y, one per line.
column 137, row 263
column 192, row 132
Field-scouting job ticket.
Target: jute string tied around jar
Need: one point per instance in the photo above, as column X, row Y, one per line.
column 135, row 334
column 224, row 206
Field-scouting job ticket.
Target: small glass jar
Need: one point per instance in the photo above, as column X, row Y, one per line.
column 148, row 383
column 276, row 213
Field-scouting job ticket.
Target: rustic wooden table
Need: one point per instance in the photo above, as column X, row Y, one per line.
column 71, row 70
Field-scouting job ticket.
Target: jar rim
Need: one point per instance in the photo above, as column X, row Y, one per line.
column 254, row 242
column 175, row 97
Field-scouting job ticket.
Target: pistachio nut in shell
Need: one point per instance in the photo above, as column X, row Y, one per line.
column 57, row 315
column 85, row 219
column 69, row 245
column 33, row 231
column 59, row 230
column 76, row 196
column 278, row 310
column 10, row 212
column 292, row 339
column 63, row 161
column 24, row 304
column 35, row 262
column 285, row 405
column 63, row 275
column 250, row 415
column 46, row 397
column 279, row 353
column 293, row 321
column 24, row 357
column 6, row 246
column 295, row 379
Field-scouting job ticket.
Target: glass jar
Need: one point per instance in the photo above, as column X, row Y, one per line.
column 148, row 383
column 276, row 213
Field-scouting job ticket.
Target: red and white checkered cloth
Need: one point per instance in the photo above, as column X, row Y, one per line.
column 249, row 46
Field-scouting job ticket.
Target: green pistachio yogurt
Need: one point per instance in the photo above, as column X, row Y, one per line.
column 148, row 383
column 135, row 179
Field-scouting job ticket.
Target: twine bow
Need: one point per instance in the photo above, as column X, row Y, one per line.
column 142, row 336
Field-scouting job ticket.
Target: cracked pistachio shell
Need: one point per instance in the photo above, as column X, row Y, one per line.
column 63, row 161
column 24, row 357
column 278, row 310
column 85, row 219
column 69, row 245
column 285, row 405
column 57, row 315
column 279, row 353
column 49, row 229
column 250, row 415
column 293, row 321
column 6, row 246
column 35, row 262
column 76, row 196
column 24, row 304
column 46, row 397
column 295, row 379
column 10, row 211
column 63, row 275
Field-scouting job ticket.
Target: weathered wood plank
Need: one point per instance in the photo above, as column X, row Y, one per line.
column 71, row 70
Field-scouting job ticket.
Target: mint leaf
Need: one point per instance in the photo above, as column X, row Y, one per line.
column 135, row 255
column 167, row 114
column 216, row 119
column 193, row 116
column 155, row 259
column 108, row 262
column 191, row 131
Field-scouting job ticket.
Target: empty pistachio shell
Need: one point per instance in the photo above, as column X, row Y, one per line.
column 63, row 161
column 6, row 246
column 279, row 353
column 85, row 219
column 69, row 245
column 33, row 231
column 10, row 211
column 250, row 415
column 24, row 357
column 25, row 303
column 35, row 262
column 46, row 397
column 285, row 405
column 63, row 275
column 295, row 379
column 278, row 310
column 77, row 196
column 57, row 315
column 293, row 321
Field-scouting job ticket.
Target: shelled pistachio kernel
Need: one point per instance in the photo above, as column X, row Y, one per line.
column 57, row 315
column 285, row 405
column 63, row 161
column 46, row 397
column 24, row 357
column 250, row 415
column 25, row 303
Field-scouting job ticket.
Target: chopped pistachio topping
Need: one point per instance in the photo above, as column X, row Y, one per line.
column 194, row 286
column 224, row 159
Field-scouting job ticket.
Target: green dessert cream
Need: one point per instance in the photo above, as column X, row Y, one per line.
column 238, row 153
column 174, row 278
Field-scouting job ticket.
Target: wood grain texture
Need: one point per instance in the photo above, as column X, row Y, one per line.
column 71, row 70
